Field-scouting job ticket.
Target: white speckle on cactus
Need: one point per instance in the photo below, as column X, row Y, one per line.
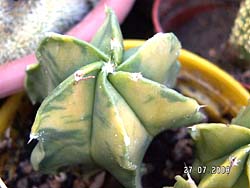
column 127, row 140
column 131, row 165
column 108, row 68
column 114, row 43
column 247, row 150
column 136, row 76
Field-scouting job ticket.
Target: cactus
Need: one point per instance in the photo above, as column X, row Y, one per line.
column 103, row 105
column 182, row 183
column 223, row 152
column 240, row 34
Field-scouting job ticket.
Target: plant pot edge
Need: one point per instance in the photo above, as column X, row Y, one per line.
column 12, row 74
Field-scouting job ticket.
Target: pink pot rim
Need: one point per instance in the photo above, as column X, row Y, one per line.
column 155, row 16
column 12, row 74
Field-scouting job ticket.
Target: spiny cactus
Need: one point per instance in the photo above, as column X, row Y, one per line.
column 240, row 35
column 102, row 105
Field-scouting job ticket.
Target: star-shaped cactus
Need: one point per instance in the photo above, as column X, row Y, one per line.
column 103, row 105
column 224, row 151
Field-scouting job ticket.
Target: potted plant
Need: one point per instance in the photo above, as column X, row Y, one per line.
column 135, row 73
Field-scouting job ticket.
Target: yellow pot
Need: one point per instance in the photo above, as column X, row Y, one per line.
column 200, row 79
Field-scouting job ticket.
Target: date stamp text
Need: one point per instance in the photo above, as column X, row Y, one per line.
column 207, row 170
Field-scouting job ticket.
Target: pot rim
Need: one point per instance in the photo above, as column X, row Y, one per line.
column 12, row 73
column 184, row 13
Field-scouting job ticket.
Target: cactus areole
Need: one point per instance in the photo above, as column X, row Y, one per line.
column 103, row 105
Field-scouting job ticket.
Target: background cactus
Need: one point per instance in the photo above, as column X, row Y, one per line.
column 222, row 161
column 102, row 105
column 223, row 152
column 240, row 34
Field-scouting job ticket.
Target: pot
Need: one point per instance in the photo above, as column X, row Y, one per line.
column 171, row 14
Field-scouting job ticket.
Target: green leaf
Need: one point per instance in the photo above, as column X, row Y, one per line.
column 59, row 56
column 243, row 117
column 119, row 140
column 63, row 124
column 158, row 107
column 155, row 58
column 109, row 38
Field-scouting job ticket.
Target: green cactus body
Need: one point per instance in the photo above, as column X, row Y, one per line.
column 103, row 111
column 182, row 183
column 56, row 111
column 243, row 118
column 224, row 150
column 58, row 58
column 240, row 34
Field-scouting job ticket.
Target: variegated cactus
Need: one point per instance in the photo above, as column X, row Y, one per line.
column 103, row 105
column 222, row 151
column 240, row 34
column 223, row 159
